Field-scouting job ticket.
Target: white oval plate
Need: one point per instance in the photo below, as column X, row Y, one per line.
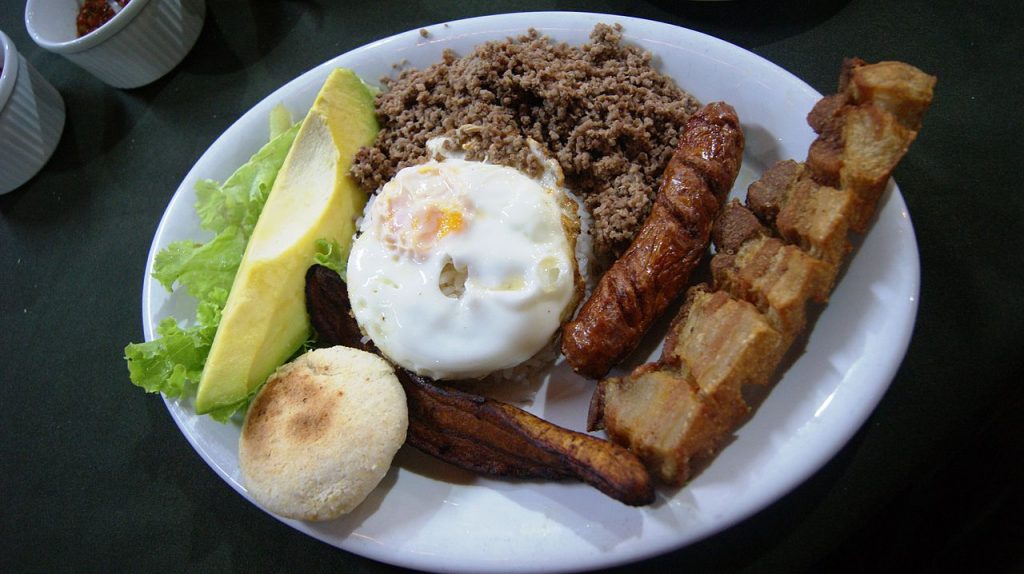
column 430, row 516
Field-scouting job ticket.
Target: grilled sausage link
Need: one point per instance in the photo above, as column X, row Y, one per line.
column 657, row 265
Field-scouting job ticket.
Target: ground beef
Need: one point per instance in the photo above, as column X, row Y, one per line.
column 600, row 109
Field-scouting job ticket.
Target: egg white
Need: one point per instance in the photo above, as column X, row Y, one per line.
column 463, row 268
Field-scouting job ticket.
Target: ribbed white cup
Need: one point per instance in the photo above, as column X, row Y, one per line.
column 31, row 118
column 144, row 41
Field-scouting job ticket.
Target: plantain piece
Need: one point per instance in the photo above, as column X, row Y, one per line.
column 477, row 443
column 330, row 311
column 480, row 434
column 543, row 450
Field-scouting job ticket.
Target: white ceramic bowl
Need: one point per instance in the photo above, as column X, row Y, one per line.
column 144, row 41
column 31, row 118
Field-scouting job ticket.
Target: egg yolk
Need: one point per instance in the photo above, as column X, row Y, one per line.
column 433, row 223
column 415, row 227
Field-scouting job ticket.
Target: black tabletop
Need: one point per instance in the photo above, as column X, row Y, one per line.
column 97, row 476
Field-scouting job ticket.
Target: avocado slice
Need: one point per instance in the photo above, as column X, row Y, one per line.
column 264, row 320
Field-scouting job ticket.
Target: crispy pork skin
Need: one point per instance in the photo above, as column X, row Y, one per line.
column 866, row 129
column 777, row 278
column 677, row 413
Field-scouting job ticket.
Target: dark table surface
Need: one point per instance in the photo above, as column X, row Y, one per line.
column 97, row 476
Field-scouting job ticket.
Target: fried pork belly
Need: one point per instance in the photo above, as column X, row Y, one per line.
column 677, row 413
column 894, row 87
column 803, row 212
column 865, row 130
column 774, row 257
column 777, row 278
column 735, row 225
column 659, row 414
column 725, row 342
column 817, row 219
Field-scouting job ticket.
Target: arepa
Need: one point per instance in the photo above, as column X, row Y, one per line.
column 321, row 433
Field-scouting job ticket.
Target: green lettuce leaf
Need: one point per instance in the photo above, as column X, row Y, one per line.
column 329, row 254
column 201, row 267
column 173, row 363
column 239, row 201
column 280, row 120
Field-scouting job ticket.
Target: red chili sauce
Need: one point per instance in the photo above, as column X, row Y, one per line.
column 95, row 13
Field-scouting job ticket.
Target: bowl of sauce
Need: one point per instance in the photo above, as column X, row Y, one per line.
column 95, row 13
column 125, row 43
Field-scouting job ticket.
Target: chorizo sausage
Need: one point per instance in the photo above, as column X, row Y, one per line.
column 656, row 267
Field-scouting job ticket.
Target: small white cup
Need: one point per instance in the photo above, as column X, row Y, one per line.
column 31, row 118
column 141, row 43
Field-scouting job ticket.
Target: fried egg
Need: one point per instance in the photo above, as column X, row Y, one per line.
column 462, row 268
